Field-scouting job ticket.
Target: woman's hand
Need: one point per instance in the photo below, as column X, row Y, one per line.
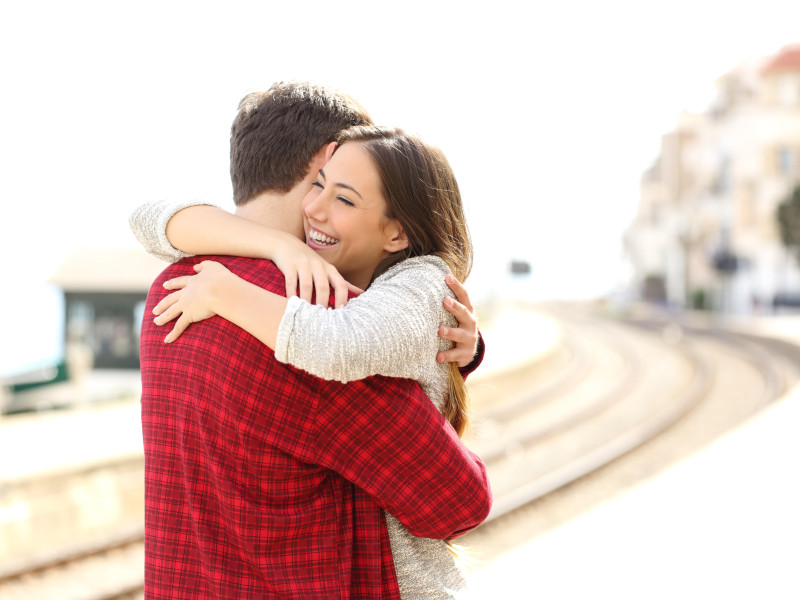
column 193, row 299
column 301, row 265
column 465, row 336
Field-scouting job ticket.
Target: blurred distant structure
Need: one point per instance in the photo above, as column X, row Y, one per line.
column 519, row 267
column 706, row 232
column 104, row 292
column 789, row 222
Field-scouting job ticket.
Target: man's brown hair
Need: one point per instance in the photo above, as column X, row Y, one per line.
column 277, row 132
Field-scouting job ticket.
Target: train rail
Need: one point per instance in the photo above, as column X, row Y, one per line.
column 109, row 567
column 629, row 383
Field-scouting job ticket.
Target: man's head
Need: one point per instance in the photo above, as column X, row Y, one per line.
column 276, row 133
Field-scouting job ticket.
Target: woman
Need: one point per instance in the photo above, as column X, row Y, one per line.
column 386, row 213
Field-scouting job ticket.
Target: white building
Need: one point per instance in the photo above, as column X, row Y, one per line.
column 706, row 230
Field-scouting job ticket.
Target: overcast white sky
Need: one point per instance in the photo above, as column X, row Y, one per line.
column 548, row 111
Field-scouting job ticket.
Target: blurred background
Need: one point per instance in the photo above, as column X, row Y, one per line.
column 613, row 153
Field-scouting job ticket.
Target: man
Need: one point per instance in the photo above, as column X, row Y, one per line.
column 261, row 480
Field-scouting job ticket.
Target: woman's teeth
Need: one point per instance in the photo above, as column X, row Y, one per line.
column 321, row 238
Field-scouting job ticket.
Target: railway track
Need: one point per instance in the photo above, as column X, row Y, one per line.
column 109, row 567
column 611, row 387
column 675, row 387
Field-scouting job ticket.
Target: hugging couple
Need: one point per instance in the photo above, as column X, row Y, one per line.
column 294, row 450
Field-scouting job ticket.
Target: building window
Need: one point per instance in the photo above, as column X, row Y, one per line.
column 722, row 185
column 786, row 160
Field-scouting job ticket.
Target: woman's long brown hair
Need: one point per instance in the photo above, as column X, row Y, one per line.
column 421, row 192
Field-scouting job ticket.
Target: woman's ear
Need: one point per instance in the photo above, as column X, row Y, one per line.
column 396, row 238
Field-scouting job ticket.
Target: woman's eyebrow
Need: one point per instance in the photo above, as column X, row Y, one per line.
column 351, row 188
column 344, row 185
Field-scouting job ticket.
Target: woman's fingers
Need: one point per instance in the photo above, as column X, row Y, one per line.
column 291, row 283
column 465, row 336
column 169, row 314
column 447, row 356
column 465, row 317
column 166, row 302
column 354, row 288
column 459, row 290
column 180, row 326
column 336, row 286
column 340, row 289
column 305, row 275
column 458, row 335
column 465, row 344
column 178, row 283
column 316, row 278
column 322, row 288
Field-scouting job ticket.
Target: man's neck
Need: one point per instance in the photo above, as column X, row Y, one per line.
column 278, row 210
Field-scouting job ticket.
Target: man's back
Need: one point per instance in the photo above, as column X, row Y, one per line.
column 249, row 464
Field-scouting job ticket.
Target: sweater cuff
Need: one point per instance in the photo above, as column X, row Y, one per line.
column 166, row 215
column 285, row 329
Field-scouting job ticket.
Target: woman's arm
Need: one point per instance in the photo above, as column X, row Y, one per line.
column 180, row 229
column 391, row 329
column 172, row 231
column 205, row 229
column 217, row 291
column 148, row 222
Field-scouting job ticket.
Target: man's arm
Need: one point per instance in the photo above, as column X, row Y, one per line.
column 386, row 436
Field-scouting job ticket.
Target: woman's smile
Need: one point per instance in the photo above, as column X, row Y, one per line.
column 318, row 240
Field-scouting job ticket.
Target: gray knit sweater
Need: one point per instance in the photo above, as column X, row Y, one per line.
column 391, row 330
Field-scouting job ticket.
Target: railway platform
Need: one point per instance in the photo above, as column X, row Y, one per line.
column 722, row 523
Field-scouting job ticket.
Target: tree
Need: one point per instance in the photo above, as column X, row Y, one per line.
column 789, row 222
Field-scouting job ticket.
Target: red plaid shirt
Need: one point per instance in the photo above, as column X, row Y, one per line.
column 263, row 481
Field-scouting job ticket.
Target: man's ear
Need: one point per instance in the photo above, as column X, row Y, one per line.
column 396, row 238
column 329, row 150
column 321, row 158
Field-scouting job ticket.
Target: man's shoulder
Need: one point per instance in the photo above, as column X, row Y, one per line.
column 258, row 271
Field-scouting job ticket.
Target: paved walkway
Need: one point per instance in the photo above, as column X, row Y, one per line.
column 724, row 523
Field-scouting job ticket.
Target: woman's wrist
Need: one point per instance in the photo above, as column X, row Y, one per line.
column 222, row 293
column 275, row 243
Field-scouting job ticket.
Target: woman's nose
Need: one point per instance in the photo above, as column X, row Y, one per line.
column 314, row 207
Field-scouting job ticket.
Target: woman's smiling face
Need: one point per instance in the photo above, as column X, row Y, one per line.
column 345, row 215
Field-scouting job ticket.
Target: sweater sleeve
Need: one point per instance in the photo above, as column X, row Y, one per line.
column 149, row 221
column 391, row 329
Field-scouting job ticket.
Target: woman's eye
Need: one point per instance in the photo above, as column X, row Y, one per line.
column 345, row 200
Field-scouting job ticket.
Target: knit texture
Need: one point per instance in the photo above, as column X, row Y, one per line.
column 148, row 222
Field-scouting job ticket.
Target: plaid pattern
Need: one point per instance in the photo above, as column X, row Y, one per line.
column 265, row 482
